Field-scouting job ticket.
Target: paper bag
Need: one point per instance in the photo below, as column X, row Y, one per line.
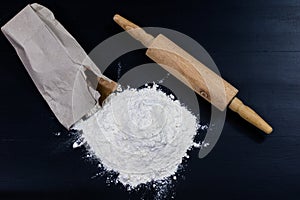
column 55, row 62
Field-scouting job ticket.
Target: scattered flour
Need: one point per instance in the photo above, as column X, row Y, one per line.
column 142, row 135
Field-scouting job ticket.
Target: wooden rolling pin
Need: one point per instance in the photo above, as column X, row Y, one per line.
column 193, row 73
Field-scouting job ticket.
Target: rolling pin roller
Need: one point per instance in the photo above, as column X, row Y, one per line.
column 193, row 73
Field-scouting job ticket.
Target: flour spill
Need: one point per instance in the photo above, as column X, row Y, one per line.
column 142, row 135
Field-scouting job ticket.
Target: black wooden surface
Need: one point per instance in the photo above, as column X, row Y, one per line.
column 255, row 44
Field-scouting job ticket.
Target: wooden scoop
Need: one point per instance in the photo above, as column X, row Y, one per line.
column 193, row 73
column 105, row 88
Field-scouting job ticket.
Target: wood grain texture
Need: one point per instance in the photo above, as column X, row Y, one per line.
column 192, row 72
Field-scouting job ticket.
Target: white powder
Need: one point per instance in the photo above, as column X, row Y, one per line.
column 140, row 134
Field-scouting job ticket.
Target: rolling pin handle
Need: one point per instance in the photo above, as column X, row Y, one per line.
column 134, row 30
column 249, row 115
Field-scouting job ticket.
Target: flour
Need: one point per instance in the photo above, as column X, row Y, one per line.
column 142, row 135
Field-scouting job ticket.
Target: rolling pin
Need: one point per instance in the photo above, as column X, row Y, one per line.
column 193, row 73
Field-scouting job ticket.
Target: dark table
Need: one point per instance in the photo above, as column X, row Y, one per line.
column 256, row 46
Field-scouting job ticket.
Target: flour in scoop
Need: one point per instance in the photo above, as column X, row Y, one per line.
column 142, row 135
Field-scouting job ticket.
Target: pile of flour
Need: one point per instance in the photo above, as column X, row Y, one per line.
column 142, row 135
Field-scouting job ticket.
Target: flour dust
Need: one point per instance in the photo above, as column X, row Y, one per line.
column 141, row 135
